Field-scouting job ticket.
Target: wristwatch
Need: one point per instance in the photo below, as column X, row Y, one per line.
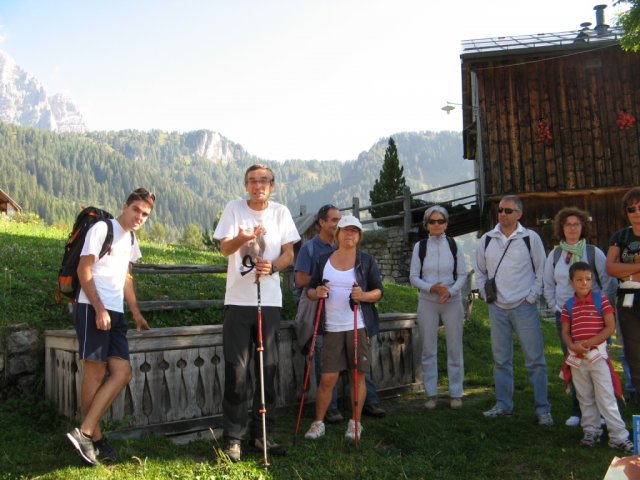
column 274, row 269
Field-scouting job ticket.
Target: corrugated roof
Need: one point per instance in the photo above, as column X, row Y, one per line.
column 540, row 40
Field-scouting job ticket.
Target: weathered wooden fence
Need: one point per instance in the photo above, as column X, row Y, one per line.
column 178, row 374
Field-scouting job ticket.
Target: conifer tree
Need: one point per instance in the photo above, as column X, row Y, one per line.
column 389, row 186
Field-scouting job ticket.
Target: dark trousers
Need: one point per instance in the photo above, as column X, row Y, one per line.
column 240, row 336
column 629, row 319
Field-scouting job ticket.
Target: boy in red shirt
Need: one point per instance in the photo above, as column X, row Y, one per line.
column 585, row 329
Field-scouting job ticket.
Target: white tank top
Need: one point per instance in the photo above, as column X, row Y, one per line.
column 339, row 316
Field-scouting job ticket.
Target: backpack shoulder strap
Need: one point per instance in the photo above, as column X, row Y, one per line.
column 453, row 246
column 527, row 242
column 422, row 252
column 597, row 300
column 487, row 239
column 557, row 251
column 591, row 253
column 108, row 240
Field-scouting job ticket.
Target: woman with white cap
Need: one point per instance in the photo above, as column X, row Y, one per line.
column 352, row 276
column 438, row 271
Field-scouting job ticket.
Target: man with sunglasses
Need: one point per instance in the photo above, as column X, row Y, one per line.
column 257, row 236
column 327, row 220
column 514, row 256
column 100, row 322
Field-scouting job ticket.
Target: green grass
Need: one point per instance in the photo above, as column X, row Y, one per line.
column 410, row 443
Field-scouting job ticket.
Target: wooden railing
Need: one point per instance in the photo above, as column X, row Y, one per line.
column 178, row 374
column 406, row 212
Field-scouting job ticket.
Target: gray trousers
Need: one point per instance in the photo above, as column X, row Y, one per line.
column 452, row 314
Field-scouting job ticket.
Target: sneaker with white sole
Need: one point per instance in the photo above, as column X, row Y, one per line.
column 350, row 434
column 83, row 446
column 573, row 421
column 456, row 403
column 497, row 412
column 316, row 430
column 431, row 403
column 545, row 419
column 625, row 445
column 590, row 439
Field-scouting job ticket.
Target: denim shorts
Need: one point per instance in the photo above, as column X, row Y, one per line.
column 98, row 345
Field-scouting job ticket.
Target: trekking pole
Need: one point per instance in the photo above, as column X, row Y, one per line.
column 260, row 350
column 309, row 359
column 356, row 417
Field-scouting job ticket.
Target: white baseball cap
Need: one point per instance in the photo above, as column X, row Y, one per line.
column 350, row 221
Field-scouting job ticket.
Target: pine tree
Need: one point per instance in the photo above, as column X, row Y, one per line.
column 389, row 186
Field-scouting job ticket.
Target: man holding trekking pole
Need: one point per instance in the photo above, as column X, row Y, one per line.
column 257, row 236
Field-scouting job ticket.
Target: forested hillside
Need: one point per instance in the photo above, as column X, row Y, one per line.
column 55, row 174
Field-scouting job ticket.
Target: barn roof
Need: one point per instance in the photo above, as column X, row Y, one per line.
column 575, row 38
column 6, row 199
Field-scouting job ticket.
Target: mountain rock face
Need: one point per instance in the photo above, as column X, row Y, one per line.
column 214, row 147
column 24, row 101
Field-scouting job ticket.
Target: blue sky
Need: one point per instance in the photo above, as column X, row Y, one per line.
column 286, row 79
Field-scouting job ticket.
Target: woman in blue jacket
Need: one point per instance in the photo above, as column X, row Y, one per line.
column 352, row 277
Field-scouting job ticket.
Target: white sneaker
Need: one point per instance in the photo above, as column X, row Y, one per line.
column 573, row 421
column 350, row 434
column 316, row 430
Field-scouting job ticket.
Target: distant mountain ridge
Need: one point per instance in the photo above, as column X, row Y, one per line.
column 50, row 164
column 25, row 101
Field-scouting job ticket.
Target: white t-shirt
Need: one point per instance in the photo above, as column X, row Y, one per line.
column 279, row 230
column 339, row 316
column 110, row 272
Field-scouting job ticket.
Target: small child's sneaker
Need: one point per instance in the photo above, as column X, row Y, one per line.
column 315, row 431
column 590, row 439
column 625, row 445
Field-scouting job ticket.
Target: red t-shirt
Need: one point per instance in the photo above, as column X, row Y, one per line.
column 585, row 321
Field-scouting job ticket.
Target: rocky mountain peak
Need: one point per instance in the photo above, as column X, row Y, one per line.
column 25, row 101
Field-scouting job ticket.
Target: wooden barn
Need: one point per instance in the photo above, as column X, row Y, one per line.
column 8, row 206
column 552, row 118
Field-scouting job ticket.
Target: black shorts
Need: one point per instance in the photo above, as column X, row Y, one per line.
column 98, row 345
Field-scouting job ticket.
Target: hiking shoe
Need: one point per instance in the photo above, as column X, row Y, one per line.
column 272, row 447
column 316, row 430
column 105, row 453
column 350, row 434
column 590, row 439
column 573, row 421
column 456, row 403
column 233, row 451
column 83, row 446
column 545, row 419
column 497, row 412
column 374, row 410
column 333, row 416
column 625, row 445
column 431, row 403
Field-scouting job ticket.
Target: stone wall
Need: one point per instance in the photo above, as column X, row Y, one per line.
column 20, row 359
column 391, row 252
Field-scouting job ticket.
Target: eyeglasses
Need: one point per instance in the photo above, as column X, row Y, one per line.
column 508, row 211
column 632, row 209
column 439, row 221
column 143, row 194
column 325, row 208
column 260, row 181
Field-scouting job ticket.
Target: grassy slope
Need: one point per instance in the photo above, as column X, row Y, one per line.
column 409, row 443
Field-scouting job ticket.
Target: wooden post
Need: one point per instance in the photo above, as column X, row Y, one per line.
column 356, row 207
column 406, row 205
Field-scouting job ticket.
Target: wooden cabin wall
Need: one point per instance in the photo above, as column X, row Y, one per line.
column 605, row 209
column 580, row 96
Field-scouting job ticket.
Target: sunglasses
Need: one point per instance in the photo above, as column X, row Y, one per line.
column 327, row 207
column 632, row 209
column 439, row 221
column 508, row 211
column 143, row 194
